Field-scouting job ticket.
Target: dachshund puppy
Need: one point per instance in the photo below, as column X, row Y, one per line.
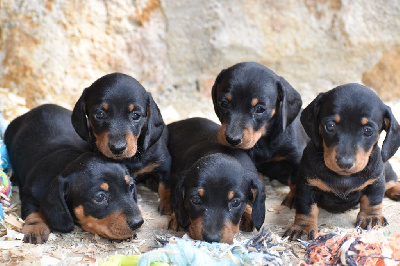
column 342, row 165
column 61, row 183
column 214, row 189
column 120, row 119
column 259, row 112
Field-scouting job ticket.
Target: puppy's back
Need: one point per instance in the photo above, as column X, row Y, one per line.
column 38, row 133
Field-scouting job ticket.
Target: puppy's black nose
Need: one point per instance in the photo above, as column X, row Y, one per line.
column 135, row 223
column 212, row 237
column 117, row 148
column 345, row 162
column 233, row 140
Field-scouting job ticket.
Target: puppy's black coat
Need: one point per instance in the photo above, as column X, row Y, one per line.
column 259, row 112
column 212, row 186
column 62, row 183
column 120, row 119
column 342, row 165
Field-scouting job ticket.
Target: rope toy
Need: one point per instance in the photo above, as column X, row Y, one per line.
column 374, row 247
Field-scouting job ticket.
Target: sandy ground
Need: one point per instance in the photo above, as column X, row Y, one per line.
column 82, row 247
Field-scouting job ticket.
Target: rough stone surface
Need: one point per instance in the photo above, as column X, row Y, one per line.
column 50, row 50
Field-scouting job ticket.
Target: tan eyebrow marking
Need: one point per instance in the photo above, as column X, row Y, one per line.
column 254, row 102
column 131, row 107
column 364, row 120
column 105, row 106
column 104, row 186
column 337, row 118
column 231, row 195
column 201, row 192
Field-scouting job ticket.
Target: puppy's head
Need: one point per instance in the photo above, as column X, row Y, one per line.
column 251, row 101
column 346, row 123
column 95, row 193
column 212, row 196
column 117, row 116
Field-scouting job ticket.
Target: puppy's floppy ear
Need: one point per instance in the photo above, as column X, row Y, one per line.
column 54, row 206
column 214, row 91
column 155, row 123
column 78, row 118
column 392, row 140
column 258, row 212
column 289, row 103
column 179, row 205
column 309, row 120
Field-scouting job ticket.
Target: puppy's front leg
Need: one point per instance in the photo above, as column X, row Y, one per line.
column 305, row 224
column 371, row 213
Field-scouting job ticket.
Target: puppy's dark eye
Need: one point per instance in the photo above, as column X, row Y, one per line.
column 100, row 198
column 235, row 202
column 260, row 109
column 196, row 200
column 368, row 131
column 135, row 116
column 99, row 114
column 224, row 103
column 330, row 127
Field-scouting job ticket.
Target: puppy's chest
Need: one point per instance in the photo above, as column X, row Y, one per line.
column 341, row 186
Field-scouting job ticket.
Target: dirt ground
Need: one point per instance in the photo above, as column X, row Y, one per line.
column 80, row 247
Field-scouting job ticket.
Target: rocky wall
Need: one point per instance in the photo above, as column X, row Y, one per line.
column 51, row 49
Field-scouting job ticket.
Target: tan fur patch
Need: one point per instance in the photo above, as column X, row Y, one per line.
column 337, row 118
column 367, row 208
column 229, row 232
column 105, row 106
column 320, row 184
column 324, row 187
column 392, row 190
column 201, row 192
column 131, row 107
column 250, row 137
column 273, row 112
column 105, row 186
column 370, row 213
column 229, row 97
column 308, row 222
column 387, row 123
column 361, row 160
column 165, row 202
column 36, row 225
column 279, row 159
column 246, row 221
column 254, row 102
column 231, row 195
column 147, row 169
column 127, row 180
column 364, row 120
column 114, row 226
column 196, row 228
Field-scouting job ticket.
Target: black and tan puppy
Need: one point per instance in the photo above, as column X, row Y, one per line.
column 214, row 189
column 259, row 112
column 120, row 119
column 61, row 183
column 342, row 165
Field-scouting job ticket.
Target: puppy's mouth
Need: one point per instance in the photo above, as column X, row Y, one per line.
column 246, row 141
column 118, row 150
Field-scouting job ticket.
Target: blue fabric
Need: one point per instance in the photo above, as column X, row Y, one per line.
column 196, row 253
column 4, row 159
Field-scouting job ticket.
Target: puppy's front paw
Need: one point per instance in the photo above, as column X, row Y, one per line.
column 165, row 207
column 393, row 192
column 35, row 229
column 246, row 223
column 301, row 231
column 367, row 221
column 173, row 223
